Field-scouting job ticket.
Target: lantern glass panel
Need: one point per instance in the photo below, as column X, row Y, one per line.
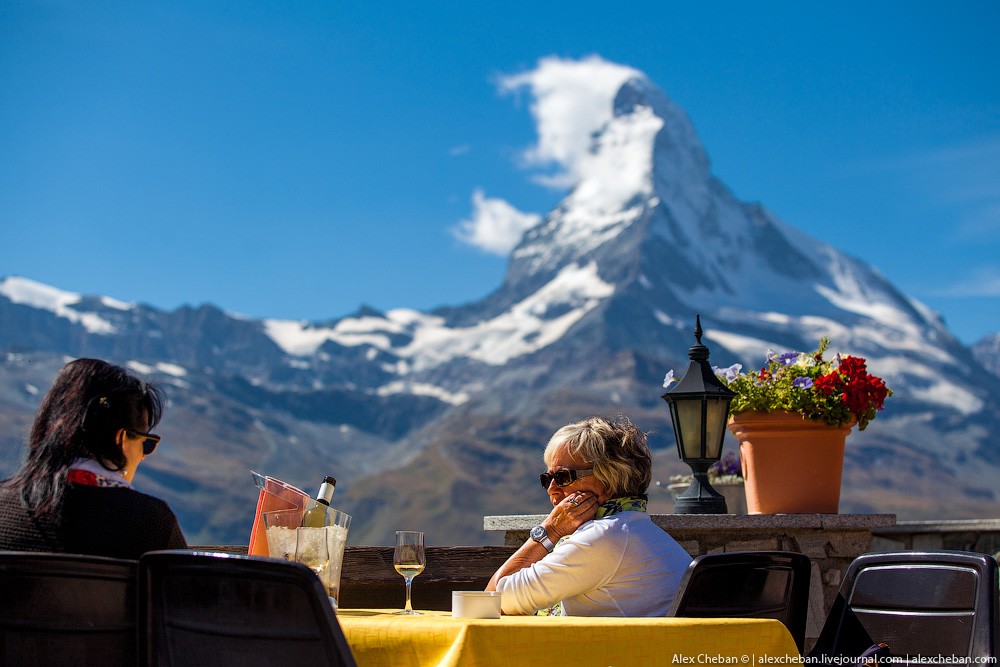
column 715, row 426
column 689, row 421
column 689, row 425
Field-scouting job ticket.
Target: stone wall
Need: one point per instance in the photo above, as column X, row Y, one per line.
column 981, row 535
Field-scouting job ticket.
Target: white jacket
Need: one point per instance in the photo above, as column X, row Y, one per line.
column 621, row 565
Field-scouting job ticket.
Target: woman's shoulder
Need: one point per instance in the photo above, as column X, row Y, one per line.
column 614, row 525
column 117, row 521
column 7, row 489
column 626, row 526
column 622, row 520
column 126, row 499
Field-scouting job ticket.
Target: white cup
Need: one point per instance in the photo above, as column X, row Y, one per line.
column 475, row 604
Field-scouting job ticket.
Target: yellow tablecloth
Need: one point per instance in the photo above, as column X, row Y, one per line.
column 380, row 638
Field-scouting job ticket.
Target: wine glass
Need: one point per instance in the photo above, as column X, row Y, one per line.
column 409, row 561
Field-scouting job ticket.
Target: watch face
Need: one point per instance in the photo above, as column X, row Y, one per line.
column 538, row 533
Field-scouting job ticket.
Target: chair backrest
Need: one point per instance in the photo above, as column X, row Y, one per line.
column 920, row 603
column 759, row 584
column 200, row 608
column 66, row 609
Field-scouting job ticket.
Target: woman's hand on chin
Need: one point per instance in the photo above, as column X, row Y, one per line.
column 570, row 513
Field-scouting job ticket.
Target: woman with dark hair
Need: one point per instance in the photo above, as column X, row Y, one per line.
column 597, row 553
column 74, row 492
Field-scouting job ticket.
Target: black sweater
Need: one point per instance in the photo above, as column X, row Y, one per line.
column 103, row 521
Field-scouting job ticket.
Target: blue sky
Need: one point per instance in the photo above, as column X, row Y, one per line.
column 299, row 159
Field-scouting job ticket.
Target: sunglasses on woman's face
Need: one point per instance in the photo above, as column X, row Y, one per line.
column 563, row 477
column 149, row 441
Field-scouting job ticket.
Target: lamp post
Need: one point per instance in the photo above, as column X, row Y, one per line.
column 699, row 407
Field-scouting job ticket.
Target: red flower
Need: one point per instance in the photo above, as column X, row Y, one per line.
column 852, row 367
column 864, row 392
column 856, row 396
column 877, row 391
column 827, row 384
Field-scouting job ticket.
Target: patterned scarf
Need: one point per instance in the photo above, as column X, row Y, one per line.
column 605, row 509
column 622, row 504
column 88, row 472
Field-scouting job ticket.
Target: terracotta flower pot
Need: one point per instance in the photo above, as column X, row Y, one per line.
column 790, row 465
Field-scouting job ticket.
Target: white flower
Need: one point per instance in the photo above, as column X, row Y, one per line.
column 805, row 360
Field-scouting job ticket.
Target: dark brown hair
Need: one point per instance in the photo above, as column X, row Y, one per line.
column 89, row 401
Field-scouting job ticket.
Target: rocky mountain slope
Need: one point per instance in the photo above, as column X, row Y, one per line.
column 987, row 352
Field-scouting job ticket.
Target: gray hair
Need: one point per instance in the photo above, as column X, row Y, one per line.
column 615, row 449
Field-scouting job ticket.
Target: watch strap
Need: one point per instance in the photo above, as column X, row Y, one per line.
column 542, row 538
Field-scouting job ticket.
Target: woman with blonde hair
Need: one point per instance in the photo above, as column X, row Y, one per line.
column 597, row 553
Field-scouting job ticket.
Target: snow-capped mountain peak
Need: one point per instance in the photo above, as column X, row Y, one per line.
column 59, row 302
column 647, row 212
column 425, row 341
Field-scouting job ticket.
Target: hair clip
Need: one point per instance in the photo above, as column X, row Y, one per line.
column 95, row 403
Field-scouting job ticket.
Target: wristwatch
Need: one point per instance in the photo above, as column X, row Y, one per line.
column 539, row 535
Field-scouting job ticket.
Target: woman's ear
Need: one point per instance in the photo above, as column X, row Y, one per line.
column 120, row 437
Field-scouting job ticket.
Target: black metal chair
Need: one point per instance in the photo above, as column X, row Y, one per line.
column 199, row 608
column 919, row 603
column 762, row 584
column 66, row 609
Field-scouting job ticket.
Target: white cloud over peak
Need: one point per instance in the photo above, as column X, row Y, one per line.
column 606, row 162
column 495, row 226
column 572, row 100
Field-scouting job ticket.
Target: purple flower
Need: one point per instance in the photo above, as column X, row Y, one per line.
column 788, row 358
column 802, row 383
column 728, row 465
column 728, row 373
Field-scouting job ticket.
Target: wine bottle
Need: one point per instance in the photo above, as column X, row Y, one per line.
column 315, row 516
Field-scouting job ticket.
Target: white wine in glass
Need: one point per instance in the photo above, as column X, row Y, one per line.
column 409, row 561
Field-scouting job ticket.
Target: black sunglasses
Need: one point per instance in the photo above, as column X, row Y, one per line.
column 563, row 477
column 149, row 442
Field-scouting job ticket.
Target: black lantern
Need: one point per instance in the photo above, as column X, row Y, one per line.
column 699, row 408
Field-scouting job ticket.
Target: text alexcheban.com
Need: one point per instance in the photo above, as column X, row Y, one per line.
column 902, row 660
column 755, row 660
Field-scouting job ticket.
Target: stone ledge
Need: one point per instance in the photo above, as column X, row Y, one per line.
column 720, row 522
column 943, row 526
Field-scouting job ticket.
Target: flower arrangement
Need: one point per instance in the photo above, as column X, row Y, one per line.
column 727, row 470
column 836, row 392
